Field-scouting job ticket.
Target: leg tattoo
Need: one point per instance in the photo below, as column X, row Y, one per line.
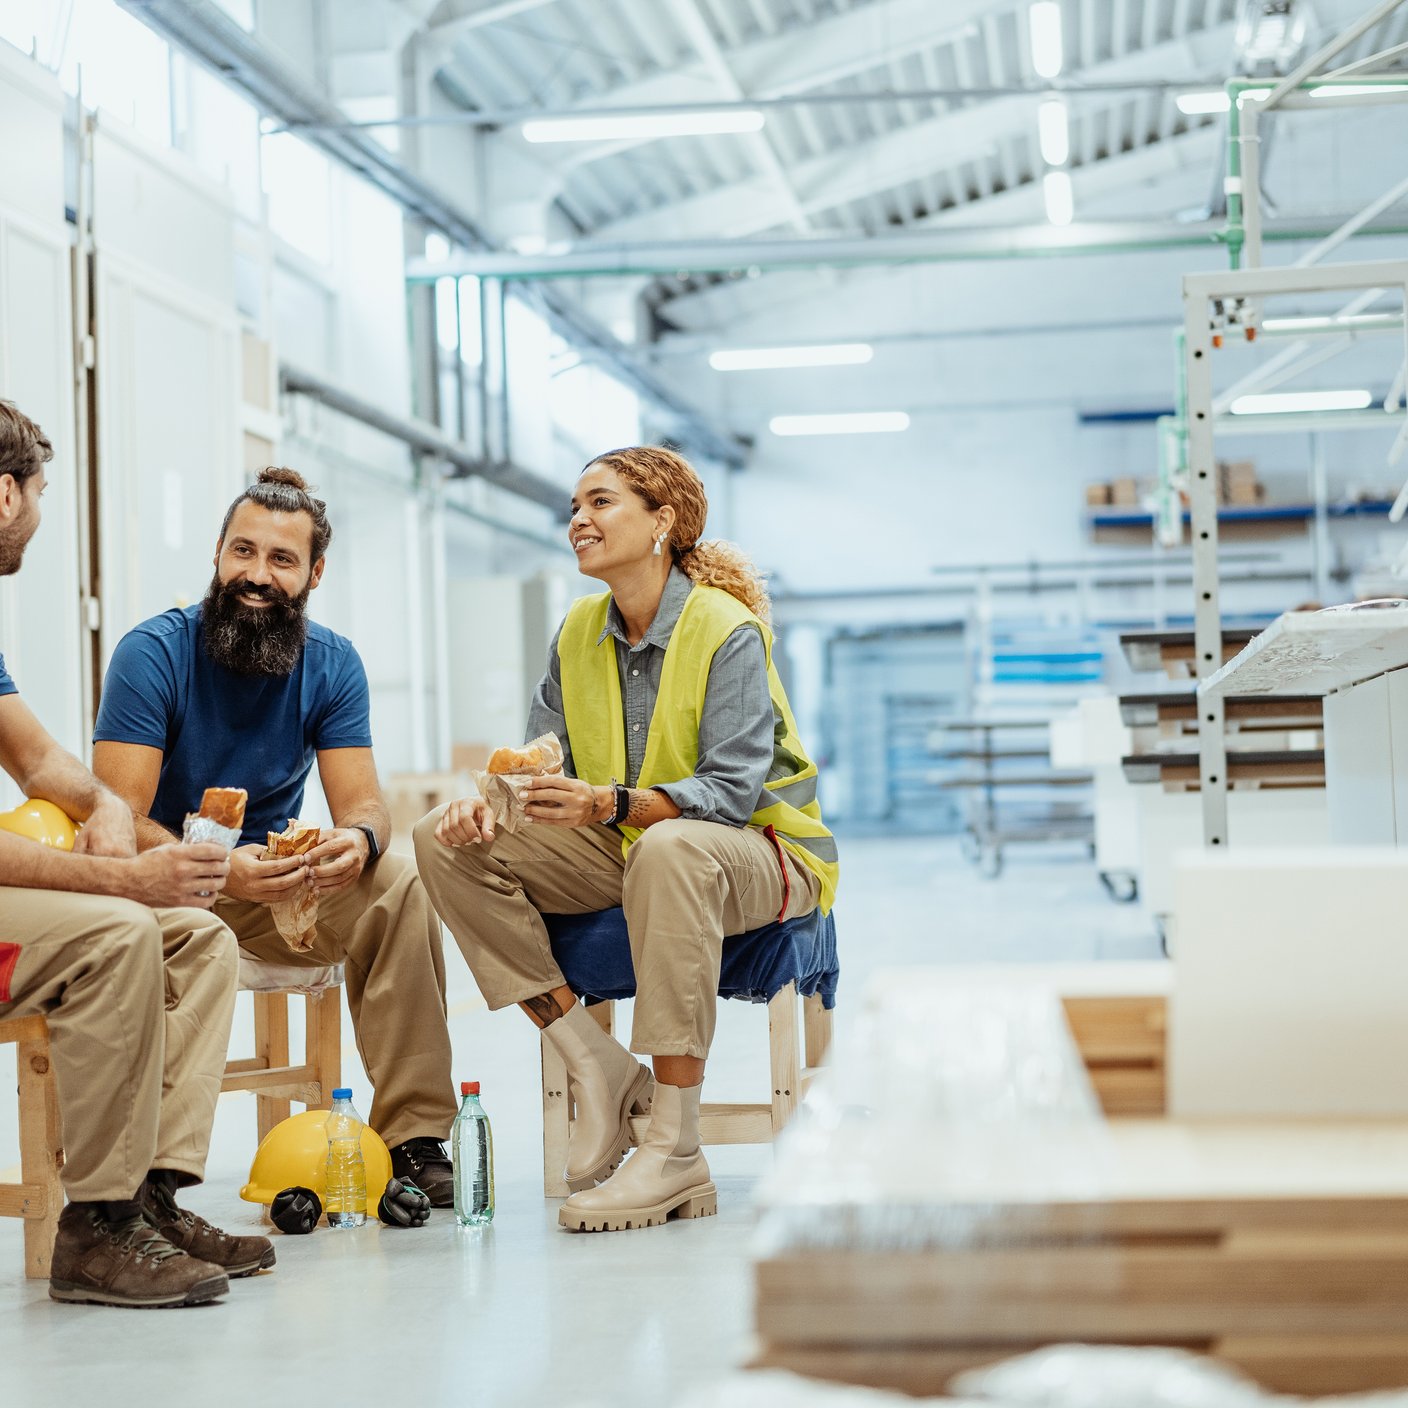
column 544, row 1009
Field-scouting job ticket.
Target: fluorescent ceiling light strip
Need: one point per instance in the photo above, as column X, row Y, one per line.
column 1054, row 132
column 1271, row 403
column 1351, row 90
column 1214, row 100
column 758, row 359
column 1060, row 198
column 641, row 126
column 851, row 423
column 1044, row 25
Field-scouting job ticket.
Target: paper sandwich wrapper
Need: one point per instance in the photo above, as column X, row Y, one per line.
column 295, row 919
column 504, row 791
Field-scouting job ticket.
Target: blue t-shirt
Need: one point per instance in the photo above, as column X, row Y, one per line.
column 219, row 729
column 7, row 685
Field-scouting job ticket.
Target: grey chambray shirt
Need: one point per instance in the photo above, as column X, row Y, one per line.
column 735, row 727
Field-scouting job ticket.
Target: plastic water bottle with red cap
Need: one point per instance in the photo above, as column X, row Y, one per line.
column 472, row 1152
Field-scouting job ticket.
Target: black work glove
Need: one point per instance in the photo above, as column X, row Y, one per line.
column 296, row 1210
column 403, row 1205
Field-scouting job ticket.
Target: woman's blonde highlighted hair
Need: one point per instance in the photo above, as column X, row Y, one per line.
column 662, row 477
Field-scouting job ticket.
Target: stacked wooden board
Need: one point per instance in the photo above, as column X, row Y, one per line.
column 1281, row 1249
column 1122, row 1039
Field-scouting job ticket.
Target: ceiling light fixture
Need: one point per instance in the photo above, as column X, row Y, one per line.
column 1214, row 100
column 1284, row 401
column 1054, row 132
column 1044, row 26
column 762, row 359
column 1060, row 197
column 847, row 423
column 643, row 127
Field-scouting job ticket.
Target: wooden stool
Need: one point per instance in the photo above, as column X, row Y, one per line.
column 39, row 1197
column 791, row 1073
column 269, row 1073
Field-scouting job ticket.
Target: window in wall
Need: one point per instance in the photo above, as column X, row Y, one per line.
column 591, row 410
column 298, row 183
column 219, row 131
column 126, row 68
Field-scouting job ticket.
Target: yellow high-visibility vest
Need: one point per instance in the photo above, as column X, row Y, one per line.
column 596, row 726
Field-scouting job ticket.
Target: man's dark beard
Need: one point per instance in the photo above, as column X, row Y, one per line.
column 13, row 541
column 254, row 640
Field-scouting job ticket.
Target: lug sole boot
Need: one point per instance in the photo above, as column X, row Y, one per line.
column 608, row 1085
column 192, row 1234
column 666, row 1177
column 103, row 1256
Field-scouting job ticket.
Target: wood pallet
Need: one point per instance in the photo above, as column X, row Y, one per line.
column 1279, row 1248
column 1123, row 1040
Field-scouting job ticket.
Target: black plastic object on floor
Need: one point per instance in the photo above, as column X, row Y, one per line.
column 403, row 1205
column 296, row 1210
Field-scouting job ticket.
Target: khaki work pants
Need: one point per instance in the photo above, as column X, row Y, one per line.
column 138, row 1003
column 685, row 886
column 386, row 934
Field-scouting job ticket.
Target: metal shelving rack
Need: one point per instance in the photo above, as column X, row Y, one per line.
column 1229, row 303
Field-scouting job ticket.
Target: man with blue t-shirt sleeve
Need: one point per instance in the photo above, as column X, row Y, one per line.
column 244, row 691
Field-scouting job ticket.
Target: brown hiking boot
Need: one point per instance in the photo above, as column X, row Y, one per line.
column 108, row 1253
column 235, row 1256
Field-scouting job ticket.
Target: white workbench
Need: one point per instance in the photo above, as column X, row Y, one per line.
column 1358, row 660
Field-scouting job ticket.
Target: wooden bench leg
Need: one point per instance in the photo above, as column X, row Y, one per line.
column 271, row 1048
column 556, row 1120
column 323, row 1041
column 41, row 1152
column 783, row 1057
column 816, row 1024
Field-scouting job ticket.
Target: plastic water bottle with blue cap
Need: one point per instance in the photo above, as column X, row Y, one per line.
column 346, row 1195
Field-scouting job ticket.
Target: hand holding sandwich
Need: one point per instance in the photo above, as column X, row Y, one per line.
column 261, row 881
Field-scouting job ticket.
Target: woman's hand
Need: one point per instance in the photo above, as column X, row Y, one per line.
column 565, row 801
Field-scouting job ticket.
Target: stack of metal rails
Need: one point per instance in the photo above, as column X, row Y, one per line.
column 1013, row 794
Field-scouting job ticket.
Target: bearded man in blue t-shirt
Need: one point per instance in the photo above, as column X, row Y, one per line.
column 244, row 691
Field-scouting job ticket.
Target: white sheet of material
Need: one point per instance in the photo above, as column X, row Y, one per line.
column 1291, row 984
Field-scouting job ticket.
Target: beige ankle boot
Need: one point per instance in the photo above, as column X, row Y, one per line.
column 608, row 1085
column 665, row 1177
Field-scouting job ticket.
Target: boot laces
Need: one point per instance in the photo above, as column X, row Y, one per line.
column 166, row 1201
column 139, row 1236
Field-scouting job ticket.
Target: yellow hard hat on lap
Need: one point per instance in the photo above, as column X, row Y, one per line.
column 295, row 1152
column 41, row 821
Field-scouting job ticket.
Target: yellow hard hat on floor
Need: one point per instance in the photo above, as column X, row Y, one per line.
column 295, row 1152
column 41, row 821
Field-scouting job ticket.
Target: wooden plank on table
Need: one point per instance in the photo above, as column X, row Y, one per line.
column 1130, row 1090
column 1118, row 1028
column 1318, row 1364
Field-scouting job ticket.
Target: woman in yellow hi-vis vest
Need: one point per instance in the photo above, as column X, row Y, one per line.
column 686, row 798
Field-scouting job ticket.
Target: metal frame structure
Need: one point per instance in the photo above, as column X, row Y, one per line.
column 1205, row 299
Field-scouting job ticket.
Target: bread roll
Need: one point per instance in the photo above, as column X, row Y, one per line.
column 224, row 806
column 530, row 761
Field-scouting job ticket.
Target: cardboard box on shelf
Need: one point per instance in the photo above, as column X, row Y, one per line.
column 409, row 795
column 470, row 757
column 1237, row 483
column 1124, row 491
column 1097, row 495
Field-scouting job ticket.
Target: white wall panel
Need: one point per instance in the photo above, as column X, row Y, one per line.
column 40, row 609
column 168, row 372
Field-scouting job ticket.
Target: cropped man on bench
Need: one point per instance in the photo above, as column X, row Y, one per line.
column 138, row 1000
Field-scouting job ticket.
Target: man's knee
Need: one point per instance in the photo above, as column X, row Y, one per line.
column 130, row 941
column 423, row 836
column 671, row 845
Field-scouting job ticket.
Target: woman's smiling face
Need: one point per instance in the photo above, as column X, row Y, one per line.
column 611, row 525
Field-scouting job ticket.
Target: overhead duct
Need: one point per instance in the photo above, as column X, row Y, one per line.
column 205, row 32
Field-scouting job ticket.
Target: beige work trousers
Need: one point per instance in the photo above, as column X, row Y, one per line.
column 384, row 932
column 685, row 886
column 138, row 1003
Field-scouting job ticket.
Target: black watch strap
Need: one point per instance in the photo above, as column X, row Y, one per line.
column 623, row 802
column 374, row 850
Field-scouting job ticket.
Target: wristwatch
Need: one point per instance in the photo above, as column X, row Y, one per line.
column 373, row 850
column 623, row 802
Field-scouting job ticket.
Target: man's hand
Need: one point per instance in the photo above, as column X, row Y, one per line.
column 108, row 830
column 338, row 860
column 177, row 876
column 562, row 801
column 254, row 879
column 465, row 823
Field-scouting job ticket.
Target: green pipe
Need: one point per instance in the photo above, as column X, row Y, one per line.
column 1235, row 235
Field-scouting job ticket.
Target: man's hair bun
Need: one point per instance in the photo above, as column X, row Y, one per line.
column 279, row 474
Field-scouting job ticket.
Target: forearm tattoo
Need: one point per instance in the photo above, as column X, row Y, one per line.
column 640, row 805
column 544, row 1009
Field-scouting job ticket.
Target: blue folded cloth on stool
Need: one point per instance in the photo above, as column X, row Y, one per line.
column 594, row 952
